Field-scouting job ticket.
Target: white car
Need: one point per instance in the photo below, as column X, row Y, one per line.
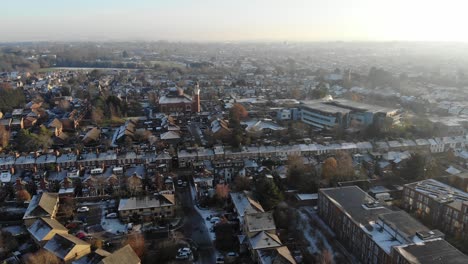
column 182, row 255
column 83, row 209
column 215, row 220
column 184, row 250
column 111, row 215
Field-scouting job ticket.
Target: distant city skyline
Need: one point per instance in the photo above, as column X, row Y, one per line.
column 241, row 20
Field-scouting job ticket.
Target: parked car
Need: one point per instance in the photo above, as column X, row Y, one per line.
column 232, row 254
column 129, row 226
column 83, row 209
column 215, row 220
column 183, row 255
column 111, row 215
column 220, row 260
column 81, row 235
column 184, row 250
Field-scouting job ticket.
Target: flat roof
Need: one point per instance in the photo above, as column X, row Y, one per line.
column 351, row 200
column 432, row 252
column 325, row 108
column 361, row 106
column 440, row 192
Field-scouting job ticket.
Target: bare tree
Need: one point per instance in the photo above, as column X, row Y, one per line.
column 41, row 256
column 23, row 195
column 329, row 169
column 4, row 137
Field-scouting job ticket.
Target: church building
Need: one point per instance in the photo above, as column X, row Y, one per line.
column 177, row 101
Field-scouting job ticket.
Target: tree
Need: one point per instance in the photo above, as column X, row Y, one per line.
column 282, row 215
column 97, row 115
column 23, row 196
column 329, row 169
column 241, row 183
column 66, row 91
column 345, row 168
column 10, row 98
column 414, row 168
column 44, row 139
column 296, row 169
column 26, row 142
column 166, row 249
column 326, row 257
column 226, row 238
column 137, row 242
column 7, row 242
column 320, row 91
column 237, row 112
column 4, row 137
column 41, row 256
column 222, row 191
column 268, row 193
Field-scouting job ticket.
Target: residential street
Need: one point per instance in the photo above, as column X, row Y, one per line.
column 195, row 228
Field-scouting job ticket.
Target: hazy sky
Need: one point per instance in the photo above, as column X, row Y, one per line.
column 234, row 20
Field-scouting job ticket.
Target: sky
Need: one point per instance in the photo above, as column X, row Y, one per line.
column 233, row 20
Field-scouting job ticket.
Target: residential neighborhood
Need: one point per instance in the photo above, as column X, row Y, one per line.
column 184, row 153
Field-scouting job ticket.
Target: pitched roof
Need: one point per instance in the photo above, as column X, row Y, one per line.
column 264, row 240
column 42, row 204
column 44, row 226
column 285, row 253
column 125, row 255
column 55, row 123
column 170, row 135
column 93, row 257
column 244, row 203
column 62, row 244
column 92, row 135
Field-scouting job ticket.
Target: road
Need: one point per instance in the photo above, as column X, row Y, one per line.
column 194, row 228
column 194, row 129
column 93, row 217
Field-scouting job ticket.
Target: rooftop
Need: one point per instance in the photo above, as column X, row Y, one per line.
column 124, row 255
column 42, row 204
column 146, row 202
column 257, row 222
column 323, row 107
column 351, row 199
column 43, row 226
column 440, row 192
column 62, row 244
column 245, row 204
column 432, row 252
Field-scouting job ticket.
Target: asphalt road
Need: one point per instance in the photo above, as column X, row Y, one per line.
column 194, row 129
column 93, row 217
column 194, row 228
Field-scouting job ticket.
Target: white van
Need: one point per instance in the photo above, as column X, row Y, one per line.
column 97, row 171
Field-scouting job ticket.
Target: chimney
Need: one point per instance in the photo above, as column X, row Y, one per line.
column 66, row 183
column 42, row 184
column 19, row 186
